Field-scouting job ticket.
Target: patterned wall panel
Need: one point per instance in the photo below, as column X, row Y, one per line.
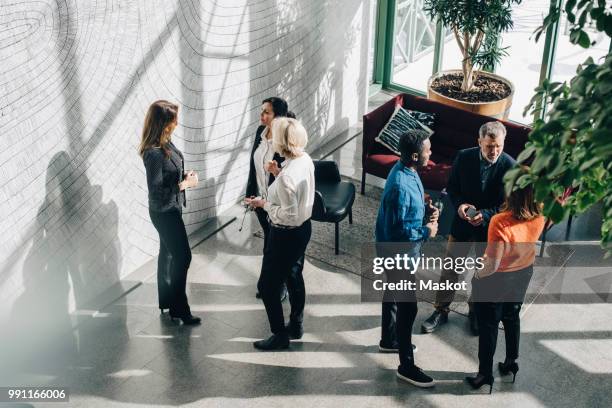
column 76, row 78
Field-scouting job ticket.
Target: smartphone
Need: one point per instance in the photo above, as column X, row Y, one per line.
column 471, row 212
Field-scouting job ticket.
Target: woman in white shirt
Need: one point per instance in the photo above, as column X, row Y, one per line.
column 259, row 177
column 289, row 208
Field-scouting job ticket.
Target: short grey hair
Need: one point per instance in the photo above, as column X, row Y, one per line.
column 492, row 129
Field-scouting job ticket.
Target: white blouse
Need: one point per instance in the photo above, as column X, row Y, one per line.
column 291, row 195
column 263, row 154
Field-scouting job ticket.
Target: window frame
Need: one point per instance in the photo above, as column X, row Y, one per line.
column 383, row 62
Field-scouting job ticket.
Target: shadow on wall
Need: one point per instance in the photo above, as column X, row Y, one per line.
column 321, row 57
column 192, row 113
column 74, row 253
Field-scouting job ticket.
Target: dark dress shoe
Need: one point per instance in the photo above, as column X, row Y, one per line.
column 479, row 381
column 508, row 367
column 188, row 320
column 274, row 342
column 437, row 318
column 295, row 330
column 473, row 323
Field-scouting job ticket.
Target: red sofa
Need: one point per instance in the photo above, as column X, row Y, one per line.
column 454, row 130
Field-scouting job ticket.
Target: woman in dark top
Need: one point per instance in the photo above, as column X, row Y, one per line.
column 262, row 153
column 167, row 182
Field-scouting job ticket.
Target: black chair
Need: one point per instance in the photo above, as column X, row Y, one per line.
column 333, row 197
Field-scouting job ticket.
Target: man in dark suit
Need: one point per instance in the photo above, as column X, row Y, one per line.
column 476, row 190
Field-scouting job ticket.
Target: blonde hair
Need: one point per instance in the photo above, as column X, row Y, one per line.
column 289, row 138
column 156, row 130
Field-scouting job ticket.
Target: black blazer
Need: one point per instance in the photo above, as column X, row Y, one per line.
column 163, row 177
column 464, row 187
column 252, row 189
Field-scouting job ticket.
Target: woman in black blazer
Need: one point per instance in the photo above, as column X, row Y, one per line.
column 167, row 182
column 261, row 153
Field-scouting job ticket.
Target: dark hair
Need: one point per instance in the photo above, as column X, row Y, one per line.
column 522, row 204
column 279, row 107
column 154, row 132
column 412, row 142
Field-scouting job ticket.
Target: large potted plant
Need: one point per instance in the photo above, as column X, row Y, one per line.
column 476, row 26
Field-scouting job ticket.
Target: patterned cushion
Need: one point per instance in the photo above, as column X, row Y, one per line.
column 425, row 118
column 401, row 121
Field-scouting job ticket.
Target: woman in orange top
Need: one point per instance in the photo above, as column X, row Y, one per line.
column 499, row 288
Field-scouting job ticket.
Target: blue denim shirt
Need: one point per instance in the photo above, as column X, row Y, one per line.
column 402, row 208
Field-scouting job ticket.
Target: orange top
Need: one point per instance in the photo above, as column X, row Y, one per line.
column 519, row 238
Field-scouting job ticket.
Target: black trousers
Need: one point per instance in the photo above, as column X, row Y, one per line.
column 489, row 314
column 283, row 263
column 262, row 217
column 397, row 321
column 457, row 248
column 398, row 314
column 173, row 261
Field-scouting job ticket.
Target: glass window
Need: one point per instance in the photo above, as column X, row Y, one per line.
column 568, row 56
column 413, row 45
column 522, row 64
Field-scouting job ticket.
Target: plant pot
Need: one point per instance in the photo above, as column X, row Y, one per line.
column 498, row 109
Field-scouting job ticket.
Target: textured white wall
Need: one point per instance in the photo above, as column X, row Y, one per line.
column 76, row 78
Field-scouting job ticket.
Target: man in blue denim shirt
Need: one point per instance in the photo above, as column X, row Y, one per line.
column 400, row 219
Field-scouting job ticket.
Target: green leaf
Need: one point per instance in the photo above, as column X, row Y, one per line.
column 584, row 40
column 525, row 154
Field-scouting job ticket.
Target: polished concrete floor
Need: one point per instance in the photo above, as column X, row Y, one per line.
column 127, row 354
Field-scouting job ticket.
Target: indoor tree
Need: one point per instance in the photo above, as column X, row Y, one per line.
column 476, row 25
column 570, row 148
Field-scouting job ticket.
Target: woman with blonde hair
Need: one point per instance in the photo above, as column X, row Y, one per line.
column 289, row 208
column 167, row 182
column 262, row 152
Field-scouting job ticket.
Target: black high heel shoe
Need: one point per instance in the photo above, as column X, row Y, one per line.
column 508, row 367
column 479, row 381
column 188, row 320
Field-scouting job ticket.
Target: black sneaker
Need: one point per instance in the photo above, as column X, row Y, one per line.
column 392, row 348
column 274, row 342
column 415, row 376
column 295, row 330
column 436, row 319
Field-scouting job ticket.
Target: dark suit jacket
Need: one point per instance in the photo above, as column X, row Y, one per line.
column 252, row 189
column 464, row 187
column 163, row 177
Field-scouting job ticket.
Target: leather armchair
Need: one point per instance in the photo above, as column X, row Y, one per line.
column 333, row 197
